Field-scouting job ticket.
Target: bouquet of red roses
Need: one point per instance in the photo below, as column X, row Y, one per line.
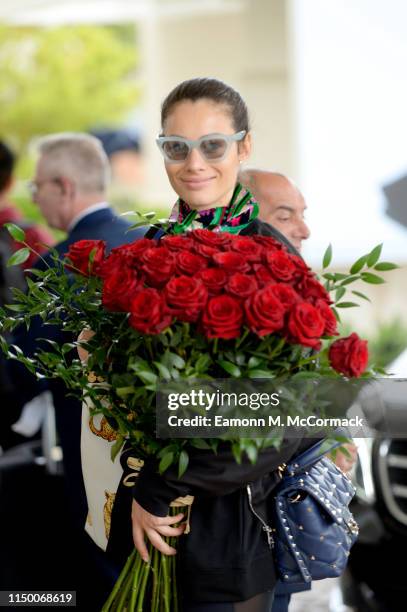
column 203, row 305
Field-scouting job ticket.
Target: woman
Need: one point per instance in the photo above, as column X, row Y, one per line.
column 225, row 562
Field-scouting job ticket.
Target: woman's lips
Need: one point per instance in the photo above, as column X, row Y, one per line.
column 196, row 184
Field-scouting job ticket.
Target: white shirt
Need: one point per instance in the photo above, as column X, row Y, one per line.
column 85, row 213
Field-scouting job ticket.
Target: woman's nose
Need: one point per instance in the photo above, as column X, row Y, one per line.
column 195, row 161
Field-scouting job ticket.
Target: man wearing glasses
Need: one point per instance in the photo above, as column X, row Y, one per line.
column 70, row 183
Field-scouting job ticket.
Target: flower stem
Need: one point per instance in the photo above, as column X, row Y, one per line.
column 120, row 581
column 166, row 584
column 143, row 584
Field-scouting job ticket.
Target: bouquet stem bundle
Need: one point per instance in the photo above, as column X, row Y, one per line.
column 151, row 586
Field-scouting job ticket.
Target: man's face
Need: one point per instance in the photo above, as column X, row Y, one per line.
column 283, row 206
column 48, row 194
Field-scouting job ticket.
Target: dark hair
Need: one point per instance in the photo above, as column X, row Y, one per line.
column 214, row 90
column 7, row 161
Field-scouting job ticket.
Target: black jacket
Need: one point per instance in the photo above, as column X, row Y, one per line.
column 106, row 225
column 226, row 556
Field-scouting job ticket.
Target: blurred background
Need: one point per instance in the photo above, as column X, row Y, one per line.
column 325, row 85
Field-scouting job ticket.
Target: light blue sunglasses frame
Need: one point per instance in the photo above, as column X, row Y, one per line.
column 196, row 144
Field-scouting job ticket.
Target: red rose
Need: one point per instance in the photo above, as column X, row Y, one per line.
column 264, row 312
column 119, row 289
column 80, row 252
column 213, row 239
column 132, row 252
column 247, row 247
column 189, row 263
column 281, row 266
column 312, row 290
column 126, row 255
column 241, row 285
column 301, row 266
column 158, row 265
column 177, row 243
column 112, row 264
column 268, row 242
column 306, row 325
column 263, row 275
column 231, row 262
column 349, row 355
column 185, row 297
column 214, row 279
column 149, row 313
column 205, row 250
column 286, row 294
column 222, row 317
column 327, row 314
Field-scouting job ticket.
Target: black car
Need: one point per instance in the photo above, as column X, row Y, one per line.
column 376, row 578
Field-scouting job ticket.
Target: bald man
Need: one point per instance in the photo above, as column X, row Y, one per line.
column 283, row 206
column 281, row 203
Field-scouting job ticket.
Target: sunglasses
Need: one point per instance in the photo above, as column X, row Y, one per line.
column 213, row 147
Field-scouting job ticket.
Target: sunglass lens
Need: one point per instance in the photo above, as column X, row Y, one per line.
column 213, row 148
column 176, row 150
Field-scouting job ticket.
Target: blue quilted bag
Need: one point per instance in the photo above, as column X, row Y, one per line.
column 314, row 527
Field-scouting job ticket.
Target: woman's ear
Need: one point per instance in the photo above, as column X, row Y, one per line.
column 245, row 147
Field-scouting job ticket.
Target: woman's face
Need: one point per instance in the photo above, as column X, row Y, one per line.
column 201, row 183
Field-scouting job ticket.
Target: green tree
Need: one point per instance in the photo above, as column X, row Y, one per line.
column 64, row 78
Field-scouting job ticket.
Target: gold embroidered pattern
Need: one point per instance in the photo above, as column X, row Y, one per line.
column 105, row 431
column 107, row 511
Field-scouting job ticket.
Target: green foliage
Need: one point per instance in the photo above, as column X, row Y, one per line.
column 64, row 78
column 338, row 283
column 387, row 343
column 124, row 366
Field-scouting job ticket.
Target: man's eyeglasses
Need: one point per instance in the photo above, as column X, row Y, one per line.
column 213, row 147
column 34, row 186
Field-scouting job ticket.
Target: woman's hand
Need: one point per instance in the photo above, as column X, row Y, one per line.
column 146, row 524
column 345, row 462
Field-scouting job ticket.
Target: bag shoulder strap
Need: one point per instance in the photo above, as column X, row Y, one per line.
column 306, row 459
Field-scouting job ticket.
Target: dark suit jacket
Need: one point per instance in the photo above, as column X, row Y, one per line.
column 100, row 225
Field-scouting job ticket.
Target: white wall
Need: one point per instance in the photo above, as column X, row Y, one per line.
column 350, row 67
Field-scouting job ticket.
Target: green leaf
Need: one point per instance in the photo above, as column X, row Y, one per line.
column 339, row 293
column 199, row 443
column 254, row 362
column 327, row 257
column 374, row 255
column 115, row 449
column 182, row 463
column 349, row 280
column 19, row 257
column 260, row 374
column 361, row 295
column 165, row 462
column 15, row 232
column 230, row 368
column 149, row 215
column 146, row 376
column 372, row 279
column 163, row 370
column 336, row 313
column 251, row 452
column 16, row 307
column 346, row 305
column 358, row 265
column 385, row 266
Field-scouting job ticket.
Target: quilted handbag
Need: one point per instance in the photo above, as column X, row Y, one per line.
column 314, row 528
